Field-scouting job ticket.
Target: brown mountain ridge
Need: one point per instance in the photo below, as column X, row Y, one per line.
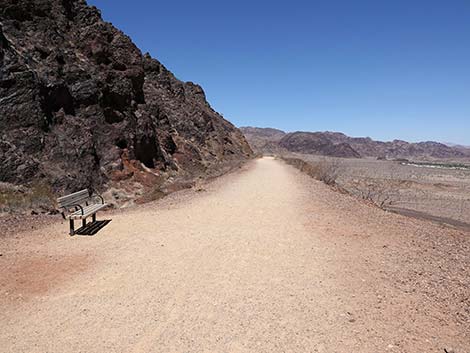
column 336, row 144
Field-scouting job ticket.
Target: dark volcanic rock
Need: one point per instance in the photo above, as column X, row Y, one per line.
column 80, row 105
column 263, row 140
column 316, row 143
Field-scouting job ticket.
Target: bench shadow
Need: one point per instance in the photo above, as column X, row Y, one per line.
column 92, row 228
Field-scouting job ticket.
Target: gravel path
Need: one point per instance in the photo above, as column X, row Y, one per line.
column 263, row 260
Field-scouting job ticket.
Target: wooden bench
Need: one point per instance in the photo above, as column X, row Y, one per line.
column 80, row 205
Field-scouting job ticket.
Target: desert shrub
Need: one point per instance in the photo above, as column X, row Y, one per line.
column 464, row 209
column 18, row 198
column 326, row 170
column 10, row 200
column 382, row 193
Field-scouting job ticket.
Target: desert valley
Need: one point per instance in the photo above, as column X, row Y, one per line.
column 136, row 218
column 427, row 180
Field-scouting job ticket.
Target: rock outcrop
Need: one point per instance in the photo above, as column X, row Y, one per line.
column 80, row 106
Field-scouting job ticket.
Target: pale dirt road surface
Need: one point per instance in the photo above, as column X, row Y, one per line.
column 264, row 260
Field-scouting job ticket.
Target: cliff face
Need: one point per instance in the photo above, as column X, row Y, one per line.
column 80, row 106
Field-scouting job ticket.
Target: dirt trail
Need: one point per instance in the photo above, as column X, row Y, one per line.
column 265, row 260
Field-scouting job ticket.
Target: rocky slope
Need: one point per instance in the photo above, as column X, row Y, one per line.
column 82, row 107
column 316, row 143
column 263, row 140
column 340, row 145
column 367, row 147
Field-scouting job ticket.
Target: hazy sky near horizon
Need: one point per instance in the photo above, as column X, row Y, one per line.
column 384, row 69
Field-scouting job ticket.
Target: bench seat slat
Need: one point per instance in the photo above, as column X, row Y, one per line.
column 72, row 202
column 87, row 211
column 75, row 194
column 76, row 198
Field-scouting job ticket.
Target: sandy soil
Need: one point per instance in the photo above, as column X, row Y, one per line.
column 264, row 260
column 430, row 192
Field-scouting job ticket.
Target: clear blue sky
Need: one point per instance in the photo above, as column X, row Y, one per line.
column 385, row 69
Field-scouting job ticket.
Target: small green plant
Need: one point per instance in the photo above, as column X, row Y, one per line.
column 41, row 195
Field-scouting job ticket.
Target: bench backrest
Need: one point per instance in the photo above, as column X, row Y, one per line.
column 77, row 198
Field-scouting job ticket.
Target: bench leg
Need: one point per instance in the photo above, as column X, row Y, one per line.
column 72, row 230
column 83, row 222
column 93, row 218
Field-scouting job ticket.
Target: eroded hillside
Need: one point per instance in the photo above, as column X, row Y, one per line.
column 336, row 144
column 82, row 107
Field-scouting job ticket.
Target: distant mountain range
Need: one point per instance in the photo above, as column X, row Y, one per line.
column 336, row 144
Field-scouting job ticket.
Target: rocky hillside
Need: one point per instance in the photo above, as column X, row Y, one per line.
column 367, row 147
column 82, row 107
column 263, row 140
column 274, row 141
column 340, row 145
column 316, row 143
